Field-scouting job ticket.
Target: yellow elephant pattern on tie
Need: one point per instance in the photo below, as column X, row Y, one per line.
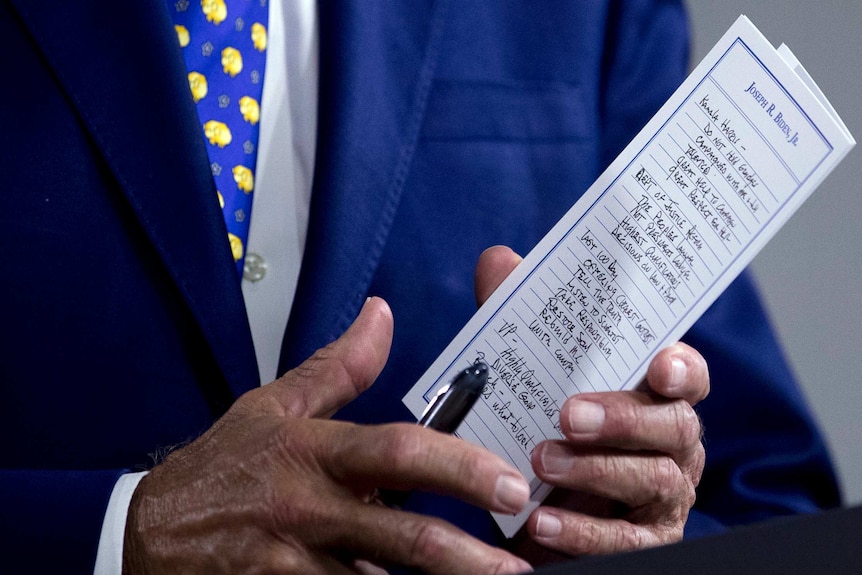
column 235, row 246
column 199, row 86
column 244, row 178
column 227, row 61
column 231, row 61
column 250, row 110
column 214, row 10
column 182, row 35
column 258, row 36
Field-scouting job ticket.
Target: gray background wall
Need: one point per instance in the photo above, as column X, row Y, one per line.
column 811, row 272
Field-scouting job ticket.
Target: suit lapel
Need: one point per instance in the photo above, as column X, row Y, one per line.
column 377, row 60
column 121, row 66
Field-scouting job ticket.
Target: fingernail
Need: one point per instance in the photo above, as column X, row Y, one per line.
column 585, row 416
column 556, row 460
column 678, row 371
column 548, row 526
column 511, row 493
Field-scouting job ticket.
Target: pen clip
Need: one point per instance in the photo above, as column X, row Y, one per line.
column 437, row 397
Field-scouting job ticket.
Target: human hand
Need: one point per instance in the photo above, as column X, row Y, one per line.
column 274, row 487
column 628, row 466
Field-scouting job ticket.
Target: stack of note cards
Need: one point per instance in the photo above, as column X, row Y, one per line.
column 647, row 249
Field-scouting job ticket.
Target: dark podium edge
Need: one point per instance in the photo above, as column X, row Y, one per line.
column 829, row 542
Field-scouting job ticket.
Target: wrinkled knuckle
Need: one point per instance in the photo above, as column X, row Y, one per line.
column 400, row 443
column 468, row 467
column 325, row 362
column 676, row 534
column 676, row 497
column 632, row 419
column 430, row 540
column 283, row 513
column 668, row 481
column 323, row 368
column 672, row 533
column 629, row 537
column 601, row 470
column 310, row 368
column 695, row 470
column 687, row 424
column 586, row 537
column 283, row 441
column 689, row 498
column 292, row 518
column 689, row 493
column 289, row 448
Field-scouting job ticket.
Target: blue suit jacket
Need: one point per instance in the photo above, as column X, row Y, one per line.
column 445, row 127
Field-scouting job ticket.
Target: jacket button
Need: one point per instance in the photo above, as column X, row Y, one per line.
column 254, row 267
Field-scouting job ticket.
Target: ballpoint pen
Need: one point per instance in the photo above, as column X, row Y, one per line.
column 453, row 402
column 445, row 413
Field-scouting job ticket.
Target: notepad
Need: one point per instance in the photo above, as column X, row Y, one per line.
column 647, row 249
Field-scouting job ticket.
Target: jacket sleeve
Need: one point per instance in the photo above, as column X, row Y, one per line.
column 51, row 519
column 765, row 454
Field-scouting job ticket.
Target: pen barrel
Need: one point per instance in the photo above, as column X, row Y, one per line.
column 449, row 409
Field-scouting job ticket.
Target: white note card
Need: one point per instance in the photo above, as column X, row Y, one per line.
column 647, row 249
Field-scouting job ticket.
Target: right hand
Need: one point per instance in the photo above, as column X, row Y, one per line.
column 273, row 486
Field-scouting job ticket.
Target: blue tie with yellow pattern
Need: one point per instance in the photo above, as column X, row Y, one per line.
column 224, row 46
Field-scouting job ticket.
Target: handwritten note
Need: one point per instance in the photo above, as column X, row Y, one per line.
column 647, row 249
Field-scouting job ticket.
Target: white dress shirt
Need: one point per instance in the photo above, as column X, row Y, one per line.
column 279, row 217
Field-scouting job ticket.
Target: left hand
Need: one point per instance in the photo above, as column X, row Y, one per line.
column 628, row 465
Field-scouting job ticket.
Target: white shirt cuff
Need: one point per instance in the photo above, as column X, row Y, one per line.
column 109, row 558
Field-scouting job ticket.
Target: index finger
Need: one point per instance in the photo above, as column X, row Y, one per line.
column 631, row 420
column 429, row 544
column 408, row 457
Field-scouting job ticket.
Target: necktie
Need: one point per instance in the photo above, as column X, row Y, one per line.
column 224, row 46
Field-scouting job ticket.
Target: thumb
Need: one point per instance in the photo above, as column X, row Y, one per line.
column 494, row 265
column 339, row 372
